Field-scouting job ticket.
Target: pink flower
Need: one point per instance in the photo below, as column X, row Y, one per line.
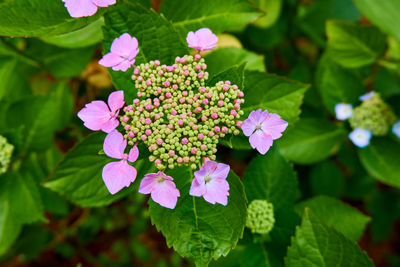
column 210, row 182
column 203, row 39
column 85, row 8
column 118, row 174
column 97, row 115
column 123, row 52
column 162, row 189
column 263, row 128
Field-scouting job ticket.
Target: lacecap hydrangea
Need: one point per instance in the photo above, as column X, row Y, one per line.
column 178, row 117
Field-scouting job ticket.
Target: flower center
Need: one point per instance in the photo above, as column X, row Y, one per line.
column 258, row 127
column 160, row 179
column 207, row 178
column 125, row 156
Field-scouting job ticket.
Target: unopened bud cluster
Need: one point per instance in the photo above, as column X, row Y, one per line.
column 177, row 116
column 6, row 150
column 373, row 115
column 260, row 216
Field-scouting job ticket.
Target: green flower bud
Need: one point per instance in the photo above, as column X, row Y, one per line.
column 6, row 151
column 260, row 217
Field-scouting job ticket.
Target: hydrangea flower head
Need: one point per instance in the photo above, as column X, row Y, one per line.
column 396, row 129
column 260, row 216
column 373, row 115
column 343, row 111
column 162, row 189
column 85, row 8
column 263, row 128
column 118, row 174
column 6, row 151
column 123, row 52
column 98, row 116
column 360, row 137
column 202, row 39
column 210, row 183
column 367, row 96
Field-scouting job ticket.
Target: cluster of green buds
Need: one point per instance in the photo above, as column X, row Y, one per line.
column 260, row 216
column 177, row 116
column 373, row 115
column 6, row 151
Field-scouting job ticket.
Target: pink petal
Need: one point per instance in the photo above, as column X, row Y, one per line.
column 110, row 125
column 221, row 172
column 110, row 60
column 124, row 45
column 274, row 125
column 191, row 39
column 217, row 191
column 166, row 194
column 199, row 175
column 116, row 100
column 80, row 8
column 261, row 141
column 255, row 118
column 133, row 154
column 104, row 3
column 117, row 175
column 206, row 38
column 148, row 183
column 95, row 115
column 197, row 189
column 114, row 145
column 123, row 66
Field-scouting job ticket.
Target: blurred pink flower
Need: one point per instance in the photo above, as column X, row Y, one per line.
column 85, row 8
column 210, row 182
column 97, row 115
column 263, row 128
column 203, row 39
column 118, row 174
column 123, row 52
column 162, row 189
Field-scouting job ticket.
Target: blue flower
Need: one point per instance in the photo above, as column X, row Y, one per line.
column 360, row 137
column 343, row 111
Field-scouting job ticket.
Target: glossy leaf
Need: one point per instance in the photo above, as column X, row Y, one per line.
column 197, row 229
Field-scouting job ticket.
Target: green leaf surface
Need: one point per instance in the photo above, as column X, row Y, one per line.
column 337, row 84
column 316, row 244
column 197, row 229
column 64, row 102
column 217, row 15
column 272, row 10
column 86, row 36
column 38, row 117
column 381, row 159
column 9, row 226
column 272, row 178
column 13, row 81
column 385, row 15
column 234, row 74
column 275, row 94
column 344, row 218
column 21, row 18
column 225, row 57
column 326, row 178
column 158, row 39
column 352, row 45
column 310, row 140
column 78, row 177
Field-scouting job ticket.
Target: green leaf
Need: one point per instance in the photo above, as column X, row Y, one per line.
column 21, row 18
column 317, row 244
column 272, row 10
column 13, row 80
column 275, row 94
column 158, row 40
column 272, row 178
column 337, row 84
column 382, row 161
column 197, row 229
column 86, row 36
column 310, row 141
column 217, row 15
column 327, row 179
column 224, row 58
column 385, row 15
column 9, row 226
column 64, row 102
column 36, row 114
column 344, row 218
column 234, row 74
column 353, row 45
column 79, row 176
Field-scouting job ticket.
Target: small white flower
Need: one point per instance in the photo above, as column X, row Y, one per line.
column 360, row 137
column 367, row 96
column 343, row 111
